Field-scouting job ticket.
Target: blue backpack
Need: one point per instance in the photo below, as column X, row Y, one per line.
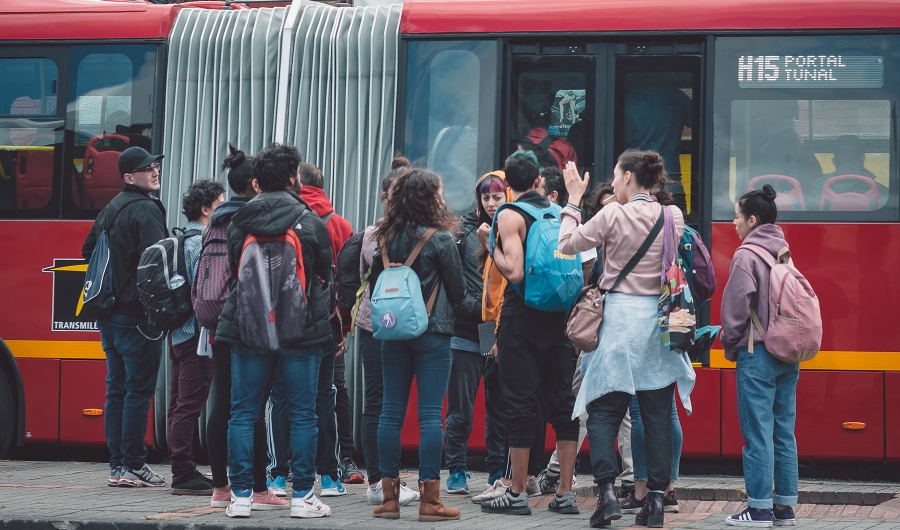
column 552, row 279
column 398, row 310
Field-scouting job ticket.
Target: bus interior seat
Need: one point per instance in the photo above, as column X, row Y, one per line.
column 34, row 179
column 837, row 196
column 790, row 193
column 100, row 172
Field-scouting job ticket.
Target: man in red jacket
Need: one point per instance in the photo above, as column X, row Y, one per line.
column 312, row 191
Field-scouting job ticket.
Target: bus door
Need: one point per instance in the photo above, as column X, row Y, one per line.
column 657, row 107
column 552, row 103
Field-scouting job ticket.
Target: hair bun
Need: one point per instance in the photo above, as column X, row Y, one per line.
column 235, row 158
column 399, row 162
column 768, row 193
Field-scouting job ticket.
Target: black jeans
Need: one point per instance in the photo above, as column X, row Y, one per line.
column 342, row 410
column 604, row 416
column 465, row 378
column 495, row 424
column 327, row 453
column 217, row 426
column 370, row 352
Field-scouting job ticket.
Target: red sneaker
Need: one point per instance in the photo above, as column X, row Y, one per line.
column 349, row 473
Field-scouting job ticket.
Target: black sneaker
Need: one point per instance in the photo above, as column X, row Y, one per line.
column 565, row 504
column 624, row 490
column 547, row 481
column 198, row 484
column 508, row 504
column 671, row 502
column 631, row 505
column 349, row 473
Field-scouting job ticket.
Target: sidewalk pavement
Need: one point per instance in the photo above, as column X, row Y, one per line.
column 74, row 496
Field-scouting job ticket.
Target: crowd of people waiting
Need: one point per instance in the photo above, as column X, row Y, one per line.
column 275, row 350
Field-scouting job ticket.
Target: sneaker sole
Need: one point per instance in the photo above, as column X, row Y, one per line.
column 266, row 507
column 113, row 483
column 356, row 479
column 672, row 509
column 749, row 524
column 784, row 522
column 306, row 514
column 219, row 504
column 332, row 493
column 458, row 491
column 139, row 483
column 237, row 513
column 279, row 493
column 197, row 493
column 507, row 511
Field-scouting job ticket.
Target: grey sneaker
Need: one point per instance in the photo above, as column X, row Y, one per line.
column 143, row 477
column 548, row 481
column 532, row 488
column 565, row 504
column 508, row 504
column 114, row 475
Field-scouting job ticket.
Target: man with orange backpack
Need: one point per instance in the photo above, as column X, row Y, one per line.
column 275, row 239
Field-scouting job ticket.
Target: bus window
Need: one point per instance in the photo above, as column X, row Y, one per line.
column 28, row 133
column 552, row 105
column 111, row 111
column 451, row 112
column 815, row 123
column 656, row 110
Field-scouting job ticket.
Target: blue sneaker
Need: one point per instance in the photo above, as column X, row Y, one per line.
column 457, row 482
column 784, row 517
column 751, row 518
column 278, row 486
column 494, row 477
column 332, row 487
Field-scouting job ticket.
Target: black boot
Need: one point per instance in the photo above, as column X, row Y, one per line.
column 607, row 507
column 652, row 514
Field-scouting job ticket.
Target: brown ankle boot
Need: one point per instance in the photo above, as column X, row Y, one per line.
column 431, row 508
column 390, row 506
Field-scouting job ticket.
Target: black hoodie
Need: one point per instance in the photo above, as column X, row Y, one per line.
column 270, row 214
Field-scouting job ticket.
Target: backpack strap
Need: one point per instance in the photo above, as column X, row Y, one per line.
column 409, row 261
column 119, row 210
column 328, row 217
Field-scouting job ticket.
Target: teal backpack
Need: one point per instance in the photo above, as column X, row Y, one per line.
column 552, row 279
column 398, row 310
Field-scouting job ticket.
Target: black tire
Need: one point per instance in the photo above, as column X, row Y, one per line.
column 8, row 411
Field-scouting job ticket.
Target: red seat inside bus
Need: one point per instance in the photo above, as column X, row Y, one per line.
column 790, row 193
column 101, row 172
column 837, row 196
column 34, row 179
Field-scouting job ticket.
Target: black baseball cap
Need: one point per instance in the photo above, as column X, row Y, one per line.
column 134, row 158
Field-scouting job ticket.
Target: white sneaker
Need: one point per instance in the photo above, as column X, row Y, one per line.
column 491, row 493
column 309, row 506
column 375, row 495
column 407, row 495
column 239, row 506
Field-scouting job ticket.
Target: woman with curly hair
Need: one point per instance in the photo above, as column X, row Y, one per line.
column 415, row 205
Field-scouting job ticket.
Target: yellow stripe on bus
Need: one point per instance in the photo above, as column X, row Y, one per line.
column 832, row 360
column 56, row 349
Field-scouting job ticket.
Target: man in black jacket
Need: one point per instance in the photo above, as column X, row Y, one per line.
column 271, row 214
column 134, row 220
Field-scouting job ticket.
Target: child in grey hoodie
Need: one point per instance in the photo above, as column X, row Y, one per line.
column 766, row 386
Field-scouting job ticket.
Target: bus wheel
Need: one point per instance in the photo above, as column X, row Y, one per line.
column 7, row 412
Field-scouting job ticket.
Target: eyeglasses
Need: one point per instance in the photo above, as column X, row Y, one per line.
column 147, row 169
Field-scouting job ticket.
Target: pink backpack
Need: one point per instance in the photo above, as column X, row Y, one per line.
column 794, row 331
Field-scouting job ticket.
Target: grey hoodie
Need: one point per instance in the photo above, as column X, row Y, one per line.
column 748, row 287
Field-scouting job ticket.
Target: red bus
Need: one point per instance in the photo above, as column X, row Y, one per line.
column 799, row 94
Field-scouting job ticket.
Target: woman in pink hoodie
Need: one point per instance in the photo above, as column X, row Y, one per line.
column 766, row 386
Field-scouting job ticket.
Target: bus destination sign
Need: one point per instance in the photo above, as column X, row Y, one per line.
column 810, row 71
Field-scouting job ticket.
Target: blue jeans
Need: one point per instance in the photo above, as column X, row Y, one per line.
column 328, row 449
column 250, row 374
column 767, row 410
column 638, row 448
column 132, row 365
column 428, row 359
column 278, row 435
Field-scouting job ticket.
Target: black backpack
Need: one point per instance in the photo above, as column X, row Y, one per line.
column 98, row 296
column 348, row 280
column 161, row 283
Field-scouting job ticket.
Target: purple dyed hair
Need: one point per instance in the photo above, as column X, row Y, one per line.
column 492, row 184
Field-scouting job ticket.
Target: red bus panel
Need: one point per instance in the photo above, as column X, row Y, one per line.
column 701, row 429
column 40, row 378
column 82, row 387
column 892, row 416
